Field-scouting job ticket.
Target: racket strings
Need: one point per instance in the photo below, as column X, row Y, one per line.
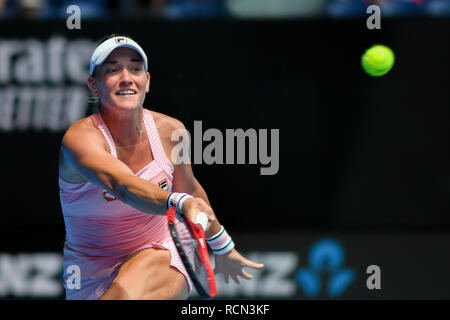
column 191, row 249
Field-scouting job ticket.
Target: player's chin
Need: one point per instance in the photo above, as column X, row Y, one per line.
column 128, row 104
column 128, row 100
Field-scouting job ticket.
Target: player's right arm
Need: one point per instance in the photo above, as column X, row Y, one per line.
column 85, row 151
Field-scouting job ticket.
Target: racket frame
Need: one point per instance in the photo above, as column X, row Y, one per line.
column 198, row 234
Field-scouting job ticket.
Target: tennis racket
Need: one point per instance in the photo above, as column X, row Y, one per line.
column 189, row 238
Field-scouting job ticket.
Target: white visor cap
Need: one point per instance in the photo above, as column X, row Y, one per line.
column 106, row 47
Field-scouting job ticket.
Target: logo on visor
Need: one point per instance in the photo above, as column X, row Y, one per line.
column 121, row 40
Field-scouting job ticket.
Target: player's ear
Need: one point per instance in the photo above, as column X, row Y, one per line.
column 147, row 87
column 91, row 85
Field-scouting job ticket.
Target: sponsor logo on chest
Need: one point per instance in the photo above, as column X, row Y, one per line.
column 164, row 184
column 108, row 197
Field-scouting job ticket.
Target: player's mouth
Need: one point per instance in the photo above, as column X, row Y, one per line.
column 127, row 92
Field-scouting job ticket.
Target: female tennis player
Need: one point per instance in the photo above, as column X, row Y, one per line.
column 116, row 177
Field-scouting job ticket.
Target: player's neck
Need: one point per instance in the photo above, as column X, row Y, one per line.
column 126, row 126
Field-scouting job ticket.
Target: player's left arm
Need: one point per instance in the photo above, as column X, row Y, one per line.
column 183, row 176
column 231, row 264
column 185, row 181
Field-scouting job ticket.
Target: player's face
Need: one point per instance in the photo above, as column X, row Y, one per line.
column 121, row 80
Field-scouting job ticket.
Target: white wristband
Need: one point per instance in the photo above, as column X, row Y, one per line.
column 177, row 199
column 221, row 242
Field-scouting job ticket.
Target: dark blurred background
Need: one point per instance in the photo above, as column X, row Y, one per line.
column 363, row 173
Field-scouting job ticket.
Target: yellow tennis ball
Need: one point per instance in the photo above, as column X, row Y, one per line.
column 378, row 60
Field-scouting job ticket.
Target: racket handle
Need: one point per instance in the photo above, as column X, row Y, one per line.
column 202, row 219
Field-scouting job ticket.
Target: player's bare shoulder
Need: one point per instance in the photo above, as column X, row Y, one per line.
column 81, row 134
column 166, row 126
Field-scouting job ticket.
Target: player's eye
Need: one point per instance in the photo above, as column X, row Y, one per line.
column 136, row 69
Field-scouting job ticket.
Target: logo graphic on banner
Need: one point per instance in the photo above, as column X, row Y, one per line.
column 163, row 184
column 326, row 257
column 108, row 197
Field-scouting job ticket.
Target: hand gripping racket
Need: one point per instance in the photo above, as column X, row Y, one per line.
column 189, row 238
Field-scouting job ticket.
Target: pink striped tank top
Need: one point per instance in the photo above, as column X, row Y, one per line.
column 102, row 231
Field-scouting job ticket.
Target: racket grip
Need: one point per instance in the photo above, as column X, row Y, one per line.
column 202, row 219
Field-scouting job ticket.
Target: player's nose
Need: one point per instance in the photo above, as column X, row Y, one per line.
column 125, row 77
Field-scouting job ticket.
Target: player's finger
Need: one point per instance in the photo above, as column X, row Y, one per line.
column 254, row 265
column 236, row 279
column 226, row 278
column 211, row 217
column 207, row 209
column 246, row 275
